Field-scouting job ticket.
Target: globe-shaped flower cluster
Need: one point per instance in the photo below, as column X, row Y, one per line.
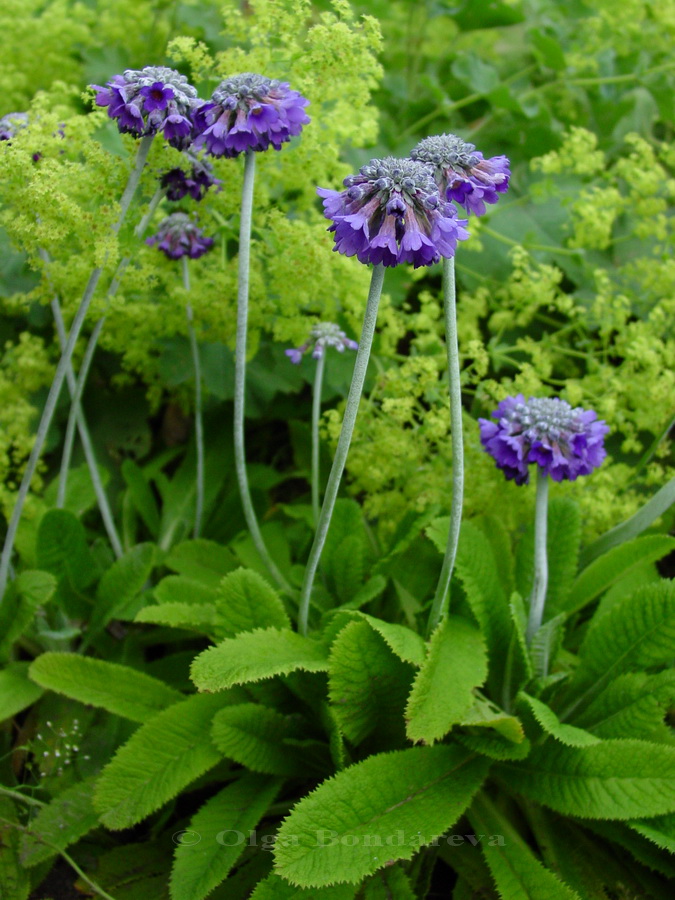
column 392, row 212
column 322, row 335
column 149, row 101
column 462, row 173
column 250, row 112
column 178, row 235
column 564, row 442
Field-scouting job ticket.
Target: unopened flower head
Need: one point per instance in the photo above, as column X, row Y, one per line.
column 461, row 172
column 250, row 112
column 195, row 182
column 149, row 101
column 391, row 213
column 11, row 123
column 178, row 235
column 323, row 334
column 564, row 442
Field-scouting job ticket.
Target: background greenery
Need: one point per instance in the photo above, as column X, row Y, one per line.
column 566, row 287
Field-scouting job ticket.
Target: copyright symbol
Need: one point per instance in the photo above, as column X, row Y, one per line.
column 186, row 838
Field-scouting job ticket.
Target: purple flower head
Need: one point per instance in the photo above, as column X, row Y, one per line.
column 322, row 335
column 11, row 123
column 250, row 112
column 564, row 442
column 196, row 182
column 461, row 172
column 391, row 213
column 178, row 235
column 152, row 100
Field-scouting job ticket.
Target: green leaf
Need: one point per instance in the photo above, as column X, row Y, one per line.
column 223, row 826
column 119, row 689
column 517, row 872
column 366, row 593
column 33, row 590
column 615, row 779
column 383, row 808
column 62, row 548
column 16, row 691
column 478, row 571
column 121, row 583
column 199, row 617
column 68, row 817
column 367, row 684
column 485, row 714
column 546, row 644
column 634, row 705
column 141, row 496
column 551, row 724
column 443, row 690
column 659, row 830
column 253, row 736
column 637, row 633
column 343, row 558
column 254, row 655
column 388, row 884
column 180, row 589
column 245, row 601
column 643, row 518
column 202, row 560
column 275, row 888
column 14, row 880
column 405, row 643
column 618, row 562
column 159, row 760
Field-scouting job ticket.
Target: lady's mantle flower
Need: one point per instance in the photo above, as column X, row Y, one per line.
column 461, row 172
column 179, row 236
column 151, row 100
column 196, row 182
column 322, row 335
column 392, row 213
column 11, row 123
column 250, row 112
column 562, row 441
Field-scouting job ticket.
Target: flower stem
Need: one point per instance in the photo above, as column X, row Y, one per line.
column 61, row 370
column 99, row 490
column 83, row 374
column 199, row 429
column 316, row 414
column 439, row 608
column 538, row 596
column 348, row 422
column 75, row 411
column 240, row 369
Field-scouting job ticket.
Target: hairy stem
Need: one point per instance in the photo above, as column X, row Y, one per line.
column 316, row 415
column 240, row 370
column 439, row 608
column 87, row 446
column 199, row 428
column 61, row 370
column 89, row 354
column 538, row 595
column 348, row 422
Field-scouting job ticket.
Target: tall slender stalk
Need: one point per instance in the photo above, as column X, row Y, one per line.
column 83, row 374
column 62, row 369
column 90, row 456
column 346, row 432
column 316, row 415
column 439, row 608
column 240, row 369
column 199, row 428
column 540, row 584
